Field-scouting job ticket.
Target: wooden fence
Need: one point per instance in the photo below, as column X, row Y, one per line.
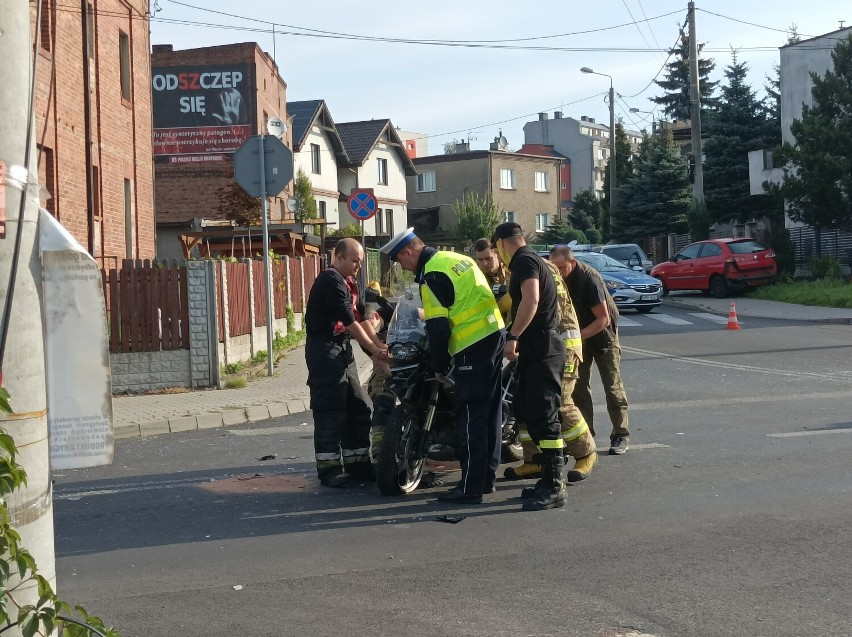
column 147, row 306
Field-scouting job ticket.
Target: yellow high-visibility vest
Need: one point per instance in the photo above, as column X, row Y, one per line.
column 474, row 313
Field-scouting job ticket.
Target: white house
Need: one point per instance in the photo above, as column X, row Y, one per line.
column 377, row 159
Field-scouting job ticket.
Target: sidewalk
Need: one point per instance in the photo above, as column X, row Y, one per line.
column 756, row 308
column 284, row 393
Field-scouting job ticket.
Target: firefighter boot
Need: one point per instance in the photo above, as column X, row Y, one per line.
column 582, row 467
column 523, row 472
column 552, row 494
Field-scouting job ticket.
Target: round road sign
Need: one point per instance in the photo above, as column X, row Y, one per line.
column 362, row 204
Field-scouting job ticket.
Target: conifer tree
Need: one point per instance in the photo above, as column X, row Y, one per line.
column 675, row 101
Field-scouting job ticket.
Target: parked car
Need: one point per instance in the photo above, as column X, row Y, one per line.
column 630, row 289
column 717, row 266
column 630, row 254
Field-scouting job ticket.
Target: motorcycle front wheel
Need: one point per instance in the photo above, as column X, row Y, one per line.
column 402, row 456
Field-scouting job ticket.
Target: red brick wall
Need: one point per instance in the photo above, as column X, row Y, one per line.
column 120, row 130
column 188, row 191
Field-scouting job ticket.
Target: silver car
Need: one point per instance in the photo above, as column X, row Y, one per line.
column 629, row 254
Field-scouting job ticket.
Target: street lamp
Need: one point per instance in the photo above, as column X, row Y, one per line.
column 653, row 121
column 612, row 224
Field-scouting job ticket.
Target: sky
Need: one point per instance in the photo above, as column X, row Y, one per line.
column 478, row 87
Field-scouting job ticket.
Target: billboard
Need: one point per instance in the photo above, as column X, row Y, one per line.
column 201, row 110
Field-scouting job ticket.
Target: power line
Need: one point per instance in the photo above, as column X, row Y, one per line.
column 647, row 23
column 762, row 26
column 630, row 13
column 665, row 62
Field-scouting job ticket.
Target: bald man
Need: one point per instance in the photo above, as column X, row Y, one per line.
column 334, row 316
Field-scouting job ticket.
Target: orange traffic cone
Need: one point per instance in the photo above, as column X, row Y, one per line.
column 733, row 324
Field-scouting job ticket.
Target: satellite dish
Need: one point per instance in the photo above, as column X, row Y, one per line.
column 276, row 127
column 503, row 141
column 292, row 204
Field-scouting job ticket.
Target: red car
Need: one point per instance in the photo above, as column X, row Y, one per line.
column 717, row 266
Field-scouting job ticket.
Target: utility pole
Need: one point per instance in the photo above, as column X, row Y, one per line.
column 30, row 507
column 613, row 217
column 695, row 104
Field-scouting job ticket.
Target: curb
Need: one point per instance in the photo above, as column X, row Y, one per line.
column 688, row 305
column 225, row 418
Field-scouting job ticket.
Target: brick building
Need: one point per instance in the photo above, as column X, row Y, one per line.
column 93, row 124
column 206, row 103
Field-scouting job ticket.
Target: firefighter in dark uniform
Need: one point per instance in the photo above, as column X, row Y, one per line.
column 379, row 313
column 341, row 414
column 535, row 342
column 462, row 324
column 598, row 317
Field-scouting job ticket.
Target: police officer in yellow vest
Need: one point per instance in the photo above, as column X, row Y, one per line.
column 463, row 324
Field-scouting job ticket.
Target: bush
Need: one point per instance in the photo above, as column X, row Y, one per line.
column 235, row 383
column 827, row 267
column 233, row 368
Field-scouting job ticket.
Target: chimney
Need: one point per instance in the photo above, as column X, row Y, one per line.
column 591, row 120
column 462, row 147
column 557, row 114
column 542, row 117
column 583, row 118
column 162, row 48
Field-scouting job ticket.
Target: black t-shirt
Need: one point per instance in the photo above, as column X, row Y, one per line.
column 587, row 290
column 526, row 264
column 333, row 305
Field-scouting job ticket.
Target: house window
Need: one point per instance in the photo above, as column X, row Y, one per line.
column 564, row 186
column 124, row 62
column 507, row 179
column 47, row 176
column 542, row 181
column 383, row 170
column 46, row 35
column 767, row 160
column 96, row 192
column 316, row 166
column 389, row 222
column 129, row 222
column 426, row 182
column 321, row 209
column 380, row 223
column 509, row 216
column 541, row 222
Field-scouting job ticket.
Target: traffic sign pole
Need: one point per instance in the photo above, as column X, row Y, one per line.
column 366, row 262
column 266, row 269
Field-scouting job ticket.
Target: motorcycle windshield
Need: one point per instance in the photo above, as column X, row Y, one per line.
column 406, row 324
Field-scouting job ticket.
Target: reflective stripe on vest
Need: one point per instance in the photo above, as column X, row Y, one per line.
column 474, row 313
column 551, row 444
column 576, row 431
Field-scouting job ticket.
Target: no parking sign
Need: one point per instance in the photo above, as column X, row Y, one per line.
column 362, row 204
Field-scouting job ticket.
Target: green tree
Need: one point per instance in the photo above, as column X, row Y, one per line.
column 623, row 168
column 675, row 101
column 235, row 204
column 737, row 127
column 586, row 204
column 817, row 185
column 303, row 192
column 657, row 198
column 349, row 230
column 476, row 216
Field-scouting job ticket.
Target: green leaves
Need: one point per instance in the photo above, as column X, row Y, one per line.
column 476, row 217
column 5, row 401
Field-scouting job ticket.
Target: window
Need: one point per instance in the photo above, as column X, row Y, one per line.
column 507, row 179
column 689, row 252
column 383, row 171
column 426, row 182
column 129, row 222
column 380, row 223
column 564, row 186
column 509, row 216
column 316, row 165
column 47, row 176
column 542, row 182
column 541, row 222
column 710, row 250
column 767, row 160
column 389, row 222
column 124, row 60
column 96, row 192
column 321, row 209
column 46, row 35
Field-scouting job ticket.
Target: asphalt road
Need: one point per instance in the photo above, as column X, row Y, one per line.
column 730, row 515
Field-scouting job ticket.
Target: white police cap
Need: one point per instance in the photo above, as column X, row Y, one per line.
column 392, row 247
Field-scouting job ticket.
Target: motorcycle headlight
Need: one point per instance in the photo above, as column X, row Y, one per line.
column 404, row 353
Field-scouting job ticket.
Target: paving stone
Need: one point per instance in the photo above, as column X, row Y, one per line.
column 276, row 410
column 257, row 412
column 126, row 431
column 233, row 417
column 210, row 421
column 296, row 406
column 154, row 427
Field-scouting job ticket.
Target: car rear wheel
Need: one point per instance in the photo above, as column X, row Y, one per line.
column 718, row 286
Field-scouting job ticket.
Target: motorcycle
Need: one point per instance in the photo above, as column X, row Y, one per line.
column 421, row 426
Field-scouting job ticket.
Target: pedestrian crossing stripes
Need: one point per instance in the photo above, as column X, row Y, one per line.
column 624, row 321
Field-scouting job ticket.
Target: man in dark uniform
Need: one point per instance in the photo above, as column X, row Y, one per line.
column 534, row 341
column 341, row 414
column 598, row 317
column 462, row 324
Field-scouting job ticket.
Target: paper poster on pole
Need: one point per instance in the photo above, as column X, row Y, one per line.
column 77, row 365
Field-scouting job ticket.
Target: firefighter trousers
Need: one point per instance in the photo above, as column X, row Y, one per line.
column 339, row 404
column 578, row 439
column 383, row 403
column 538, row 394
